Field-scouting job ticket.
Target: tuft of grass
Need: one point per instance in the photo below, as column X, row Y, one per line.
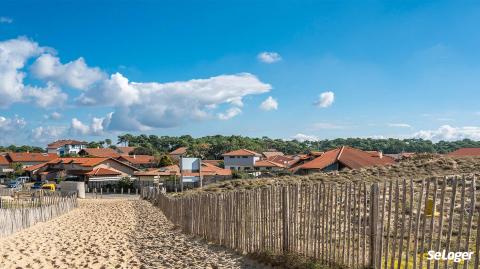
column 290, row 260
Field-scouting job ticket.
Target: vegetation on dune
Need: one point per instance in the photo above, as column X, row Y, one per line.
column 419, row 167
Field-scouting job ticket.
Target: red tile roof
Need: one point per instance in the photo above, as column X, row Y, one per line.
column 214, row 162
column 465, row 152
column 100, row 152
column 138, row 159
column 86, row 162
column 31, row 157
column 32, row 168
column 61, row 143
column 103, row 172
column 4, row 160
column 267, row 163
column 179, row 151
column 210, row 169
column 287, row 160
column 242, row 152
column 349, row 157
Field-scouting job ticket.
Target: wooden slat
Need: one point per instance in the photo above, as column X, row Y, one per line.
column 450, row 217
column 440, row 225
column 417, row 224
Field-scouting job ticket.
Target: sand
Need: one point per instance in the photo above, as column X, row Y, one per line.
column 113, row 233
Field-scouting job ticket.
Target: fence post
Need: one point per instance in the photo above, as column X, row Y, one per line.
column 373, row 226
column 286, row 219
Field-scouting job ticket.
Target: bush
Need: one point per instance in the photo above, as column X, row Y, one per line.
column 126, row 183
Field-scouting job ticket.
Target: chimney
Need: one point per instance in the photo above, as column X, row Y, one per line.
column 134, row 156
column 380, row 154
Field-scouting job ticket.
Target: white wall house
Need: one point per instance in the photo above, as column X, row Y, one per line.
column 242, row 159
column 64, row 147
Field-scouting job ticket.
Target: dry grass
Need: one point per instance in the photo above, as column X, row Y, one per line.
column 420, row 167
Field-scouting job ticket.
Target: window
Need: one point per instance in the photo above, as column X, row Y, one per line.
column 244, row 157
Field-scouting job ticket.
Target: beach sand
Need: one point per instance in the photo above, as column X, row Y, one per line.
column 113, row 233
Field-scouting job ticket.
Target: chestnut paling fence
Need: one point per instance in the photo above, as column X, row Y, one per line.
column 18, row 214
column 388, row 225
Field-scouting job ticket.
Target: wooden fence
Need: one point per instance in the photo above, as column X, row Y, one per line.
column 389, row 225
column 19, row 214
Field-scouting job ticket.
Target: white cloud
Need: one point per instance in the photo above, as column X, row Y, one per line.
column 400, row 125
column 48, row 133
column 303, row 137
column 50, row 96
column 13, row 55
column 154, row 105
column 11, row 124
column 7, row 20
column 325, row 99
column 75, row 74
column 269, row 104
column 230, row 113
column 449, row 133
column 269, row 57
column 54, row 116
column 96, row 127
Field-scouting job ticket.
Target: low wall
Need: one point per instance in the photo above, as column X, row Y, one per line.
column 73, row 186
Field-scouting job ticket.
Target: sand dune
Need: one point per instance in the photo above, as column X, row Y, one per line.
column 113, row 234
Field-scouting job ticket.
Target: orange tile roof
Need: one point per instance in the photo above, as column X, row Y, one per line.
column 282, row 159
column 241, row 152
column 138, row 159
column 267, row 163
column 31, row 157
column 103, row 172
column 86, row 162
column 61, row 143
column 465, row 152
column 179, row 151
column 210, row 169
column 349, row 157
column 32, row 168
column 214, row 162
column 101, row 152
column 4, row 160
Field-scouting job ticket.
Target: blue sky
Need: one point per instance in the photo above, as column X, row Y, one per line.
column 391, row 69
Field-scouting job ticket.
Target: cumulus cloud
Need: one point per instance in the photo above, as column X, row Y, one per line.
column 48, row 96
column 96, row 127
column 11, row 124
column 325, row 99
column 6, row 20
column 75, row 74
column 303, row 137
column 400, row 125
column 269, row 57
column 449, row 133
column 230, row 113
column 54, row 116
column 269, row 104
column 13, row 55
column 157, row 105
column 47, row 133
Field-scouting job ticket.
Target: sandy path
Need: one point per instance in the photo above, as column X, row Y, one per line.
column 112, row 234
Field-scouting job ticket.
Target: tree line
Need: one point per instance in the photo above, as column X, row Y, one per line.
column 212, row 147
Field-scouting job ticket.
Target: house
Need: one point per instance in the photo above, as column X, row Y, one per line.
column 5, row 167
column 125, row 150
column 63, row 147
column 139, row 161
column 27, row 159
column 94, row 171
column 267, row 165
column 99, row 152
column 287, row 161
column 242, row 159
column 209, row 173
column 465, row 152
column 178, row 153
column 342, row 158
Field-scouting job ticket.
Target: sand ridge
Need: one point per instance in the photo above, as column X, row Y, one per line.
column 113, row 233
